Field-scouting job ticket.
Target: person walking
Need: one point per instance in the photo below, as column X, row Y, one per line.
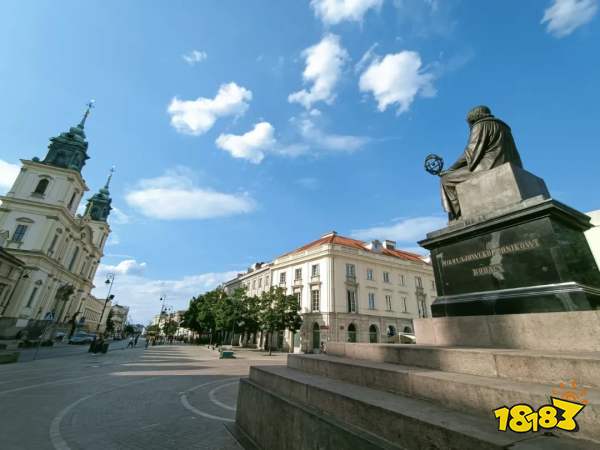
column 137, row 336
column 130, row 343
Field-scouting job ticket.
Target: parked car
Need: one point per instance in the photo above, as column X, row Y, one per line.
column 82, row 338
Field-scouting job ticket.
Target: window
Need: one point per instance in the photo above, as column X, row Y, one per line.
column 315, row 299
column 315, row 270
column 351, row 297
column 41, row 187
column 32, row 297
column 298, row 297
column 422, row 304
column 402, row 282
column 52, row 244
column 260, row 282
column 370, row 274
column 72, row 200
column 2, row 289
column 373, row 334
column 371, row 300
column 419, row 282
column 19, row 233
column 351, row 333
column 386, row 277
column 350, row 271
column 298, row 275
column 388, row 302
column 282, row 278
column 404, row 309
column 254, row 284
column 73, row 258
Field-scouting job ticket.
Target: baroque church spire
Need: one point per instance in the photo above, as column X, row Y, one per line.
column 99, row 205
column 69, row 149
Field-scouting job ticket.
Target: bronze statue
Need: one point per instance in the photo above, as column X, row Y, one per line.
column 490, row 144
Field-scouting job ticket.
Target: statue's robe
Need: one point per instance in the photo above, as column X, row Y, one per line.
column 490, row 145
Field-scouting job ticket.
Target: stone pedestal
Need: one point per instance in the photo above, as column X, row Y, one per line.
column 527, row 256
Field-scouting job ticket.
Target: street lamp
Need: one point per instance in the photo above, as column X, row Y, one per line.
column 110, row 279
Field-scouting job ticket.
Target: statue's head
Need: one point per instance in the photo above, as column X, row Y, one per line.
column 477, row 113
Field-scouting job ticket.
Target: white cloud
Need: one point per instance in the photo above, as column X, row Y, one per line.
column 316, row 137
column 332, row 12
column 565, row 16
column 397, row 79
column 251, row 145
column 407, row 230
column 194, row 57
column 198, row 116
column 142, row 294
column 174, row 196
column 125, row 267
column 324, row 63
column 8, row 175
column 118, row 217
column 366, row 58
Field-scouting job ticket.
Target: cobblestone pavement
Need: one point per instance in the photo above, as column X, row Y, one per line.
column 164, row 397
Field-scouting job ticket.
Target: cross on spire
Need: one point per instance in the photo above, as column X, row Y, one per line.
column 112, row 170
column 89, row 105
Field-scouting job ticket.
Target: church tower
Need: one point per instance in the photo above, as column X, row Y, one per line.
column 61, row 249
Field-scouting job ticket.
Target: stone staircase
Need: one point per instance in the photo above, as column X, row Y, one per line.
column 367, row 396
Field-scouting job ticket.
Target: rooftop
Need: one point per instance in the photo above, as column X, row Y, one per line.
column 334, row 238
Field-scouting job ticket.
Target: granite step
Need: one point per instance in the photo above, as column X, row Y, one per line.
column 399, row 421
column 474, row 394
column 526, row 365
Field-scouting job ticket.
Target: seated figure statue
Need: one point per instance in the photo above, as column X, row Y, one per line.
column 490, row 145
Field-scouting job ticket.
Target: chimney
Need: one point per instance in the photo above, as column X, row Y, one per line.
column 390, row 245
column 374, row 246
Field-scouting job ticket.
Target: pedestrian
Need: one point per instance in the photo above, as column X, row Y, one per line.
column 136, row 339
column 130, row 343
column 147, row 342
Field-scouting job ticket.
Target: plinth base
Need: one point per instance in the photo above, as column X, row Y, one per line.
column 559, row 331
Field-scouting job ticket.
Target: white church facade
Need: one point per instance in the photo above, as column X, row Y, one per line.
column 60, row 249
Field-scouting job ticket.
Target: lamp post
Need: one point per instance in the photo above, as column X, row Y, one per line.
column 110, row 279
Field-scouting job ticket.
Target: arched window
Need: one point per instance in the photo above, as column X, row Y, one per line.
column 316, row 341
column 41, row 187
column 407, row 330
column 391, row 331
column 70, row 205
column 351, row 333
column 373, row 334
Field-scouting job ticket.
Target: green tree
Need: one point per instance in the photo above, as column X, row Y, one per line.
column 129, row 329
column 110, row 325
column 152, row 330
column 278, row 312
column 170, row 327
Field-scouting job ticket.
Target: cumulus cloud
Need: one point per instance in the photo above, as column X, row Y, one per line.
column 332, row 12
column 565, row 16
column 251, row 145
column 142, row 293
column 198, row 116
column 324, row 63
column 118, row 216
column 125, row 267
column 407, row 230
column 314, row 136
column 8, row 175
column 174, row 196
column 194, row 57
column 397, row 79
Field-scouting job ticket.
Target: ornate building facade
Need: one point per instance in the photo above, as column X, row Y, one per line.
column 60, row 249
column 348, row 290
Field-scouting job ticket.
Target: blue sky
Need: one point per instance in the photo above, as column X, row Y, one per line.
column 242, row 129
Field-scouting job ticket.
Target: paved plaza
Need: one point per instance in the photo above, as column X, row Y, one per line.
column 163, row 397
